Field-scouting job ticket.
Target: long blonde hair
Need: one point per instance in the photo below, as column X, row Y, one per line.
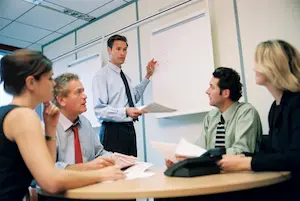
column 280, row 63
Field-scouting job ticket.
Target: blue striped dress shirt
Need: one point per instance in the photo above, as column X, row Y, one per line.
column 109, row 95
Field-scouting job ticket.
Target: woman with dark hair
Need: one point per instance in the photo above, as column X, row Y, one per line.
column 24, row 152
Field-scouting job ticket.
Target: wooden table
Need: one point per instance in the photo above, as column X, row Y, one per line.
column 161, row 186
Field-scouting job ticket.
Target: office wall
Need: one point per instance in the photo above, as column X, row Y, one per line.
column 60, row 46
column 262, row 20
column 225, row 53
column 258, row 20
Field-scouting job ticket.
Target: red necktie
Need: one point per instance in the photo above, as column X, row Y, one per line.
column 78, row 154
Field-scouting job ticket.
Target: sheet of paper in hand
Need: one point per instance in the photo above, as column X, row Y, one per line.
column 123, row 160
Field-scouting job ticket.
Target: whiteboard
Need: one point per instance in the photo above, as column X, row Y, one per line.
column 86, row 68
column 184, row 53
column 5, row 98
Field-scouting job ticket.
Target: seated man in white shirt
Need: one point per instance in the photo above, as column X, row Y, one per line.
column 77, row 145
column 84, row 152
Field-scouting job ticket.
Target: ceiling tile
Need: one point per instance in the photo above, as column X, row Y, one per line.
column 11, row 9
column 4, row 22
column 13, row 42
column 72, row 26
column 46, row 18
column 81, row 6
column 35, row 46
column 107, row 8
column 49, row 38
column 24, row 32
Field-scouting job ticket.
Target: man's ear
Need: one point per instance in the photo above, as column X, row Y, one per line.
column 61, row 101
column 226, row 93
column 109, row 50
column 30, row 83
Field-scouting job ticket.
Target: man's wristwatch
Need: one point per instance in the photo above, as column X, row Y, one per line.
column 50, row 137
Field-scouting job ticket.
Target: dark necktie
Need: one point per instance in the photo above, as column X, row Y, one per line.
column 127, row 89
column 220, row 135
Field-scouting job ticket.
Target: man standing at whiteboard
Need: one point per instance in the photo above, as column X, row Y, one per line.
column 115, row 98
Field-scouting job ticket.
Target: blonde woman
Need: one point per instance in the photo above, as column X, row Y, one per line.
column 278, row 69
column 24, row 152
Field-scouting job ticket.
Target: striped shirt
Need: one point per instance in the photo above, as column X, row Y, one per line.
column 243, row 130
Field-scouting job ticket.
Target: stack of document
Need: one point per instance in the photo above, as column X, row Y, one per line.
column 156, row 108
column 123, row 160
column 183, row 148
column 134, row 169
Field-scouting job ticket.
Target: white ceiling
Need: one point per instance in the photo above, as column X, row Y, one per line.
column 28, row 25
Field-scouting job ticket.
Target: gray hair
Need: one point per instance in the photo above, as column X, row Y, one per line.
column 61, row 87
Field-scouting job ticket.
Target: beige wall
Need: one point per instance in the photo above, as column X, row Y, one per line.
column 264, row 20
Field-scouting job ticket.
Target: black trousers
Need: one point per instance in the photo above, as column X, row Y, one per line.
column 119, row 137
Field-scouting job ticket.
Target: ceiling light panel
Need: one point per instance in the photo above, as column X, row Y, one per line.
column 83, row 6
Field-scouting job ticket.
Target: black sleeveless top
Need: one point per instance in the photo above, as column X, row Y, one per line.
column 14, row 174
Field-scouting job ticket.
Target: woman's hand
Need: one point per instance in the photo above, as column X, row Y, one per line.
column 235, row 163
column 50, row 115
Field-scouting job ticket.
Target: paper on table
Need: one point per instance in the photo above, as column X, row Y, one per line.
column 156, row 108
column 138, row 171
column 131, row 176
column 184, row 148
column 166, row 149
column 139, row 175
column 138, row 167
